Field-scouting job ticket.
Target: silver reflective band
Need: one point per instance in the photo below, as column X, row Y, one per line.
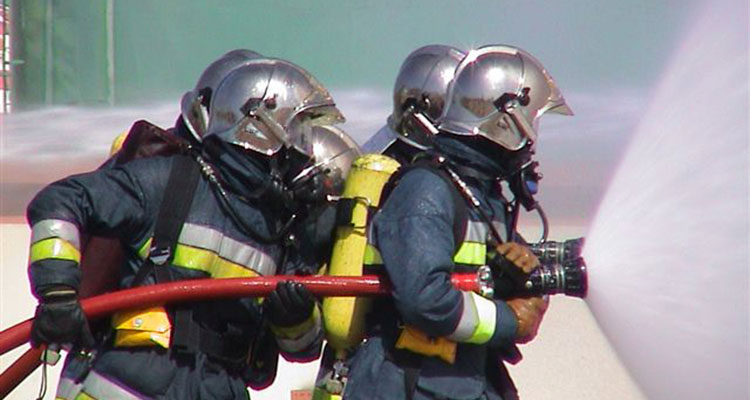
column 67, row 389
column 99, row 387
column 227, row 248
column 476, row 231
column 468, row 322
column 500, row 228
column 56, row 228
column 301, row 343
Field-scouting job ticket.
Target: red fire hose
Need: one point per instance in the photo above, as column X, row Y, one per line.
column 197, row 290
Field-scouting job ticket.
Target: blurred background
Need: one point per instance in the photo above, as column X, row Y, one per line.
column 646, row 80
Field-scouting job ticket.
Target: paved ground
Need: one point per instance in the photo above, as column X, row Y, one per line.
column 570, row 359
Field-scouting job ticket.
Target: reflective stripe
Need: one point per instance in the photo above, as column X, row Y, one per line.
column 468, row 322
column 372, row 256
column 210, row 262
column 208, row 250
column 500, row 228
column 471, row 253
column 227, row 248
column 487, row 319
column 476, row 231
column 97, row 386
column 310, row 335
column 67, row 389
column 54, row 248
column 56, row 228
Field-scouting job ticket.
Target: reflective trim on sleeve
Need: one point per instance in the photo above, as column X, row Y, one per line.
column 312, row 329
column 97, row 386
column 67, row 389
column 55, row 248
column 468, row 322
column 56, row 228
column 487, row 313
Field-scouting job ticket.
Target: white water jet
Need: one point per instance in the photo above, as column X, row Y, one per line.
column 668, row 250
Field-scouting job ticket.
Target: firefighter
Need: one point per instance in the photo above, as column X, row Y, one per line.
column 220, row 212
column 432, row 341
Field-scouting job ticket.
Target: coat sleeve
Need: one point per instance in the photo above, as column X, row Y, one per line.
column 106, row 202
column 414, row 234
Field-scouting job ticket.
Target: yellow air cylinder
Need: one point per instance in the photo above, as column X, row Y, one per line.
column 344, row 317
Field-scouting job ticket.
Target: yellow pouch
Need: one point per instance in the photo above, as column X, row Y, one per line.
column 417, row 341
column 144, row 327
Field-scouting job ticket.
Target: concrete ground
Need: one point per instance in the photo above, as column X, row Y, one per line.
column 569, row 359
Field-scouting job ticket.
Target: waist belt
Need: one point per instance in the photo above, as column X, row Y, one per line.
column 229, row 350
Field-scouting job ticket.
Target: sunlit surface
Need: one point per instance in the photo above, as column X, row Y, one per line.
column 668, row 251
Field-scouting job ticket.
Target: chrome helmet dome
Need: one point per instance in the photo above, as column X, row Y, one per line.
column 333, row 152
column 500, row 92
column 268, row 104
column 194, row 104
column 421, row 87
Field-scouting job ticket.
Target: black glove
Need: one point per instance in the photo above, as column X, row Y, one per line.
column 289, row 304
column 59, row 319
column 508, row 280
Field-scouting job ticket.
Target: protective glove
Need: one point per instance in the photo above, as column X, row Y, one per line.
column 289, row 304
column 59, row 319
column 529, row 313
column 521, row 256
column 510, row 269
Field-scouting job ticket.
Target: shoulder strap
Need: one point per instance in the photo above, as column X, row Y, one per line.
column 178, row 197
column 460, row 209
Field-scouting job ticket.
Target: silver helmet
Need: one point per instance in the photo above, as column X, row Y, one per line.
column 194, row 104
column 333, row 152
column 420, row 91
column 268, row 104
column 500, row 92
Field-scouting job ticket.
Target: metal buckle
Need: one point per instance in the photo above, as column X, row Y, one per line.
column 159, row 256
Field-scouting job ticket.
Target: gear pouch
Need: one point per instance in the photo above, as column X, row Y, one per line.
column 144, row 327
column 418, row 342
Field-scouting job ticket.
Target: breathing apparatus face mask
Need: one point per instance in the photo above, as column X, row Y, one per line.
column 322, row 178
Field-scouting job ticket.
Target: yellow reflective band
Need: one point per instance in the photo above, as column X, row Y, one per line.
column 322, row 394
column 210, row 262
column 472, row 253
column 487, row 313
column 54, row 248
column 85, row 396
column 145, row 247
column 372, row 256
column 296, row 331
column 204, row 260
